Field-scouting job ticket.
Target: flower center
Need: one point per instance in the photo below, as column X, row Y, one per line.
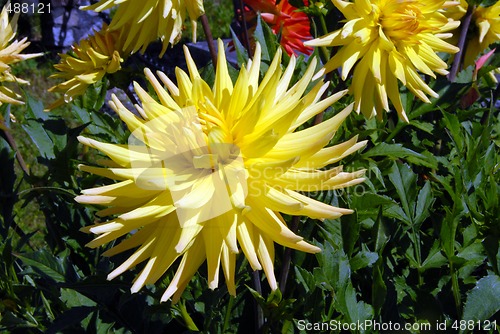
column 401, row 20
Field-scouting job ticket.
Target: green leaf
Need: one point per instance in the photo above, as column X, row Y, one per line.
column 403, row 179
column 492, row 247
column 424, row 202
column 356, row 311
column 435, row 259
column 261, row 39
column 73, row 298
column 241, row 52
column 335, row 270
column 483, row 301
column 71, row 317
column 453, row 126
column 34, row 127
column 381, row 233
column 394, row 151
column 45, row 264
column 363, row 259
column 379, row 288
column 305, row 278
column 465, row 76
column 350, row 227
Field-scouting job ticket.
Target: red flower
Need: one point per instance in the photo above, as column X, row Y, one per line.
column 285, row 20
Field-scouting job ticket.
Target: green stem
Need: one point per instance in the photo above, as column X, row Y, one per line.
column 10, row 139
column 186, row 317
column 227, row 317
column 400, row 126
column 455, row 288
column 287, row 258
column 418, row 254
column 259, row 313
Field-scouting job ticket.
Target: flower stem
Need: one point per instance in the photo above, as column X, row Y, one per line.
column 227, row 317
column 461, row 43
column 259, row 314
column 187, row 318
column 319, row 117
column 210, row 39
column 287, row 258
column 10, row 139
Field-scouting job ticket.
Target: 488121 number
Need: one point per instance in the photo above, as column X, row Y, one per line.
column 26, row 8
column 484, row 325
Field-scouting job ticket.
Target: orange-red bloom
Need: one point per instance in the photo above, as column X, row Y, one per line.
column 285, row 20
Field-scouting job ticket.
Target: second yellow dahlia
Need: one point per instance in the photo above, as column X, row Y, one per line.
column 487, row 22
column 209, row 171
column 385, row 41
column 88, row 62
column 143, row 22
column 10, row 53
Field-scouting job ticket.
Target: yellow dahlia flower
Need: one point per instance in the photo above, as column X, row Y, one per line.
column 386, row 41
column 143, row 22
column 487, row 21
column 208, row 172
column 10, row 53
column 89, row 62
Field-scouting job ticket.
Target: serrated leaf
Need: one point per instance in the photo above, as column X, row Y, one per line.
column 73, row 298
column 403, row 179
column 44, row 263
column 465, row 75
column 395, row 151
column 305, row 278
column 241, row 52
column 452, row 124
column 424, row 202
column 483, row 301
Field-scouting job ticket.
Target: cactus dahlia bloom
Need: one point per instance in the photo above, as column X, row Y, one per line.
column 143, row 22
column 208, row 172
column 86, row 65
column 386, row 41
column 10, row 53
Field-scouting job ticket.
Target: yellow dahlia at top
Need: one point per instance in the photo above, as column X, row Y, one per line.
column 209, row 170
column 386, row 41
column 143, row 22
column 11, row 54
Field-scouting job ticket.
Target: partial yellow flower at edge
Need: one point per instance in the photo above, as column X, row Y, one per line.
column 143, row 22
column 487, row 20
column 386, row 41
column 90, row 61
column 208, row 171
column 11, row 54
